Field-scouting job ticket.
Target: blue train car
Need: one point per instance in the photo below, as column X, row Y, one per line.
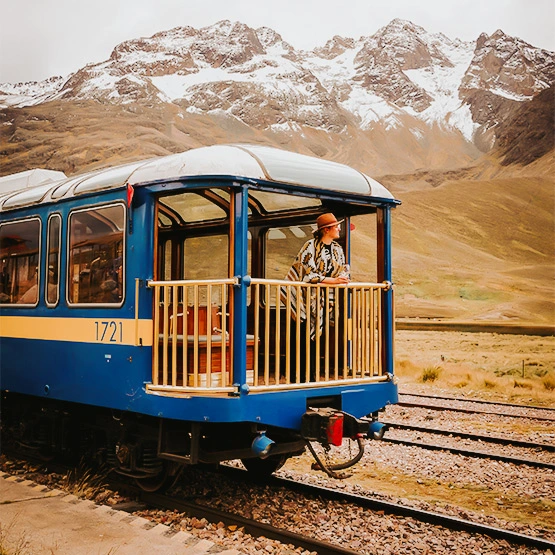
column 145, row 314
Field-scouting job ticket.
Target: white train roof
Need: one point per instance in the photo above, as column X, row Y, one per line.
column 29, row 178
column 251, row 162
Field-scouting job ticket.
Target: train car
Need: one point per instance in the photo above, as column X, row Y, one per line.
column 146, row 318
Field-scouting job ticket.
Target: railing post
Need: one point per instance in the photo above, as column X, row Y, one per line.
column 239, row 331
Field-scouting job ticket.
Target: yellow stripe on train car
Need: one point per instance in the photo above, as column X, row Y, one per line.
column 80, row 330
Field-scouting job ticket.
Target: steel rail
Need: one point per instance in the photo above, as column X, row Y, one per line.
column 449, row 522
column 323, row 548
column 469, row 453
column 471, row 411
column 471, row 400
column 371, row 503
column 474, row 437
column 252, row 527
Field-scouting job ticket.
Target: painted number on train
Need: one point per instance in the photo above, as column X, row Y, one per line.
column 109, row 331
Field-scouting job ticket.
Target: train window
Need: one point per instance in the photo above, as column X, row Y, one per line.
column 167, row 260
column 96, row 247
column 20, row 255
column 275, row 202
column 364, row 241
column 193, row 207
column 206, row 257
column 53, row 260
column 282, row 247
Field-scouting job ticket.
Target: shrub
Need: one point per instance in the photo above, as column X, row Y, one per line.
column 84, row 482
column 549, row 382
column 431, row 373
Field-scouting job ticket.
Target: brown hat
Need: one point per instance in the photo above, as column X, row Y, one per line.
column 327, row 220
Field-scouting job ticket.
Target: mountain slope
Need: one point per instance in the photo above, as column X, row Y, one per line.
column 425, row 87
column 461, row 132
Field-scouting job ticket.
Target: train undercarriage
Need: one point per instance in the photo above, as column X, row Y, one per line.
column 151, row 451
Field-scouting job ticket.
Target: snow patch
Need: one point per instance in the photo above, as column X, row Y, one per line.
column 510, row 95
column 368, row 107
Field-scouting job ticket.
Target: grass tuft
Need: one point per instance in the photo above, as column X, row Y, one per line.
column 549, row 382
column 10, row 544
column 431, row 373
column 522, row 384
column 85, row 482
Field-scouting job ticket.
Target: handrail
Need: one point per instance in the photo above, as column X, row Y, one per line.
column 330, row 332
column 192, row 343
column 226, row 281
column 383, row 285
column 298, row 335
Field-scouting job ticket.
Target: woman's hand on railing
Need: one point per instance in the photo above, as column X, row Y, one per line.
column 335, row 280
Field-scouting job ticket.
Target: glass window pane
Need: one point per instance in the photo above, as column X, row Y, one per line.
column 275, row 202
column 282, row 247
column 96, row 255
column 206, row 257
column 193, row 207
column 19, row 254
column 53, row 266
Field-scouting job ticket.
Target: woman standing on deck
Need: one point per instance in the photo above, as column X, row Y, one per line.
column 320, row 260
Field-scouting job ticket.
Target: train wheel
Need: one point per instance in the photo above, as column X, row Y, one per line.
column 161, row 481
column 262, row 468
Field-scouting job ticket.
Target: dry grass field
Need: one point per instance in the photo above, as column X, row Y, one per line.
column 498, row 367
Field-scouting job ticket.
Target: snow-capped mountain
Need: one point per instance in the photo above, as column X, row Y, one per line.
column 401, row 79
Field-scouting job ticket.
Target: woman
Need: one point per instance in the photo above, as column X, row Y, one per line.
column 320, row 260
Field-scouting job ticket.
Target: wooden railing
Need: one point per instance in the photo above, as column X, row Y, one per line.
column 193, row 347
column 298, row 335
column 315, row 334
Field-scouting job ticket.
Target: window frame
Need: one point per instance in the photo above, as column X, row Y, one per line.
column 47, row 260
column 39, row 258
column 68, row 285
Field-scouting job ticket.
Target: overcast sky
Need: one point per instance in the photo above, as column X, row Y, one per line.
column 43, row 38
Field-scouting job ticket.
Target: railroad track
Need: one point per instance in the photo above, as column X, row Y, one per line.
column 548, row 413
column 544, row 330
column 471, row 436
column 252, row 527
column 474, row 437
column 471, row 411
column 483, row 402
column 370, row 503
column 473, row 453
column 258, row 529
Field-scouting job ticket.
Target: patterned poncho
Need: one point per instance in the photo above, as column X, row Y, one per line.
column 313, row 263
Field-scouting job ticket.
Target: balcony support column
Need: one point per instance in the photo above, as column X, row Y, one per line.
column 384, row 276
column 239, row 248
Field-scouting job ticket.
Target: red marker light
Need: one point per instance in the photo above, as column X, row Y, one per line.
column 334, row 430
column 130, row 193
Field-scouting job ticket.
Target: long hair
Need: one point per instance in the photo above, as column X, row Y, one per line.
column 318, row 233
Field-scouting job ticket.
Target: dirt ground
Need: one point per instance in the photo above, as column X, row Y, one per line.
column 501, row 367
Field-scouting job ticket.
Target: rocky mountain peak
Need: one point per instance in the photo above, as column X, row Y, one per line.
column 334, row 47
column 401, row 77
column 509, row 67
column 268, row 38
column 504, row 72
column 410, row 46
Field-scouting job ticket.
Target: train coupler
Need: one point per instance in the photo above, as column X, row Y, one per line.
column 328, row 427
